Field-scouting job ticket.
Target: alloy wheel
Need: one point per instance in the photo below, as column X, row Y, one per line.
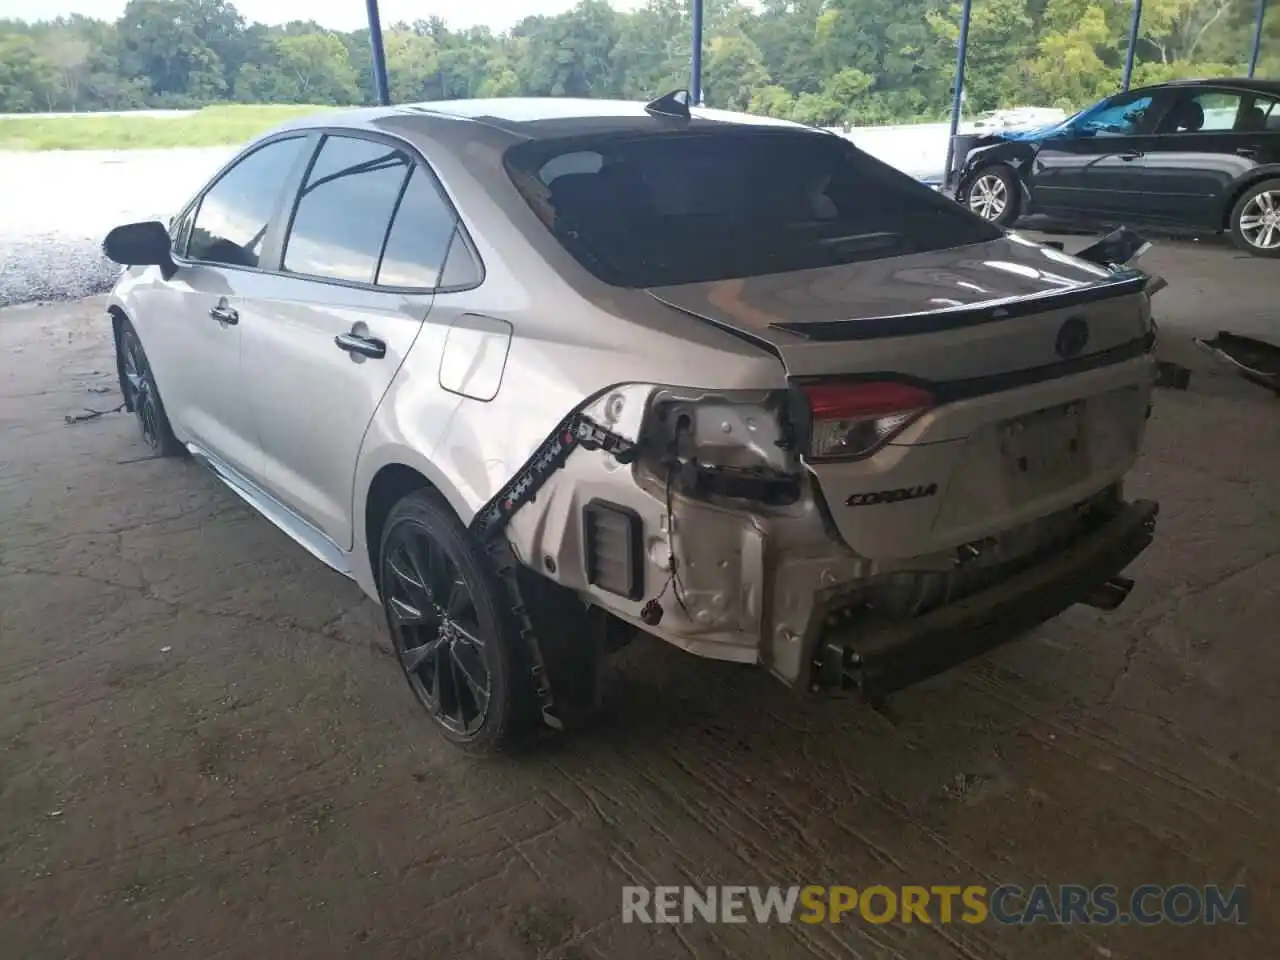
column 435, row 629
column 142, row 392
column 1260, row 220
column 988, row 197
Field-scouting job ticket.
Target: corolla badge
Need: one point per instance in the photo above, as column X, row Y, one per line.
column 1073, row 335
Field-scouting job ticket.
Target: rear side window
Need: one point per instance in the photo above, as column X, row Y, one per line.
column 419, row 237
column 236, row 211
column 1260, row 113
column 344, row 210
column 1205, row 111
column 692, row 207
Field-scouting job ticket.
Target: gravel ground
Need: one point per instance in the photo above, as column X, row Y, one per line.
column 57, row 206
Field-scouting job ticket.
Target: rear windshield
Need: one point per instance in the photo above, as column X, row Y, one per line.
column 654, row 210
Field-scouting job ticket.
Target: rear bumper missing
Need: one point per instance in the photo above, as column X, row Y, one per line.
column 880, row 657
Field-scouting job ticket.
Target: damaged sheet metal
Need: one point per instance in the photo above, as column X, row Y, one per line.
column 1256, row 360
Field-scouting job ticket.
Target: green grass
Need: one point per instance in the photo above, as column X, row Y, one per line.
column 210, row 127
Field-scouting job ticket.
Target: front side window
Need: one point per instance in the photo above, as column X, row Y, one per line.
column 690, row 207
column 235, row 213
column 1119, row 117
column 1205, row 111
column 344, row 210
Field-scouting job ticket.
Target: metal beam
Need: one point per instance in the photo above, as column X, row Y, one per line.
column 1257, row 37
column 957, row 94
column 695, row 80
column 380, row 84
column 1133, row 44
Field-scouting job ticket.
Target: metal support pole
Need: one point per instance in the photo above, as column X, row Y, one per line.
column 1257, row 37
column 957, row 94
column 1133, row 43
column 695, row 82
column 379, row 54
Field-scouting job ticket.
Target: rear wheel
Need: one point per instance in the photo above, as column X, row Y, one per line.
column 453, row 634
column 142, row 395
column 994, row 195
column 1255, row 220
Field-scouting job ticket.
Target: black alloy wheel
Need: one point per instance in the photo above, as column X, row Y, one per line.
column 450, row 629
column 143, row 396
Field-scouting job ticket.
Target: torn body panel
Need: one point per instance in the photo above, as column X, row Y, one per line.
column 741, row 579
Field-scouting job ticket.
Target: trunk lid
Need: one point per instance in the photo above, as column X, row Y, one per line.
column 1037, row 363
column 974, row 311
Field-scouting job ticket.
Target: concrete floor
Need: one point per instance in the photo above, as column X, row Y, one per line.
column 206, row 750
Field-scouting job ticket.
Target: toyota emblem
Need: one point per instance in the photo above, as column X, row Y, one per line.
column 1073, row 335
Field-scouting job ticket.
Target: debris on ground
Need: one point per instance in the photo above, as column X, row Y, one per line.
column 1257, row 360
column 90, row 414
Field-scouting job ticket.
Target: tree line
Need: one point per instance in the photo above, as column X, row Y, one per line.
column 817, row 61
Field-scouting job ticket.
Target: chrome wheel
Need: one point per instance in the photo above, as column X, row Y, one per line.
column 435, row 629
column 1259, row 221
column 989, row 196
column 142, row 390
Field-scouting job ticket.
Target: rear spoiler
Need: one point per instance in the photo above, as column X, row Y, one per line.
column 1122, row 283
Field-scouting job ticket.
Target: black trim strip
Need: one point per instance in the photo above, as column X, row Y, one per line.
column 949, row 391
column 1117, row 285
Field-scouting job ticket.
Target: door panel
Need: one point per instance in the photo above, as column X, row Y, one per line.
column 194, row 318
column 313, row 400
column 196, row 359
column 324, row 338
column 1089, row 175
column 1094, row 166
column 1203, row 146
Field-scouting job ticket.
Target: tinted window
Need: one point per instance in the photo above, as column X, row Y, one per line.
column 1208, row 111
column 1122, row 116
column 1259, row 113
column 461, row 268
column 419, row 237
column 234, row 215
column 344, row 210
column 683, row 208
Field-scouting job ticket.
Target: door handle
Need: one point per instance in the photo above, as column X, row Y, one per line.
column 1132, row 155
column 1247, row 151
column 225, row 314
column 354, row 344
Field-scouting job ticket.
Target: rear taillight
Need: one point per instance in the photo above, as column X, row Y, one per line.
column 851, row 420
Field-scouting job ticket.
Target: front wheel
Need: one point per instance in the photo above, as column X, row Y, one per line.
column 994, row 195
column 451, row 627
column 1255, row 220
column 142, row 396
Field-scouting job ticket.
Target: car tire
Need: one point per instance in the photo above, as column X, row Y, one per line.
column 994, row 194
column 451, row 626
column 1255, row 220
column 142, row 395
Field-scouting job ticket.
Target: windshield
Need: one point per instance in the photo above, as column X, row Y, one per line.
column 662, row 209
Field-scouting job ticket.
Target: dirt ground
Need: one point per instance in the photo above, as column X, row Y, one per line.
column 207, row 751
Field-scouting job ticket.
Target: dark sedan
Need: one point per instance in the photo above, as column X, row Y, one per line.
column 1200, row 155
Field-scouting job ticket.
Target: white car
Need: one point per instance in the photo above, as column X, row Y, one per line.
column 542, row 374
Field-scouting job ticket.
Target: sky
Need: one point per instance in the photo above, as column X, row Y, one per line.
column 337, row 14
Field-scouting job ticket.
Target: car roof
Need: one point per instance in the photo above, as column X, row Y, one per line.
column 537, row 118
column 1250, row 84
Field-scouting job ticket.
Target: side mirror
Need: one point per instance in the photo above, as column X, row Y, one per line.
column 141, row 245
